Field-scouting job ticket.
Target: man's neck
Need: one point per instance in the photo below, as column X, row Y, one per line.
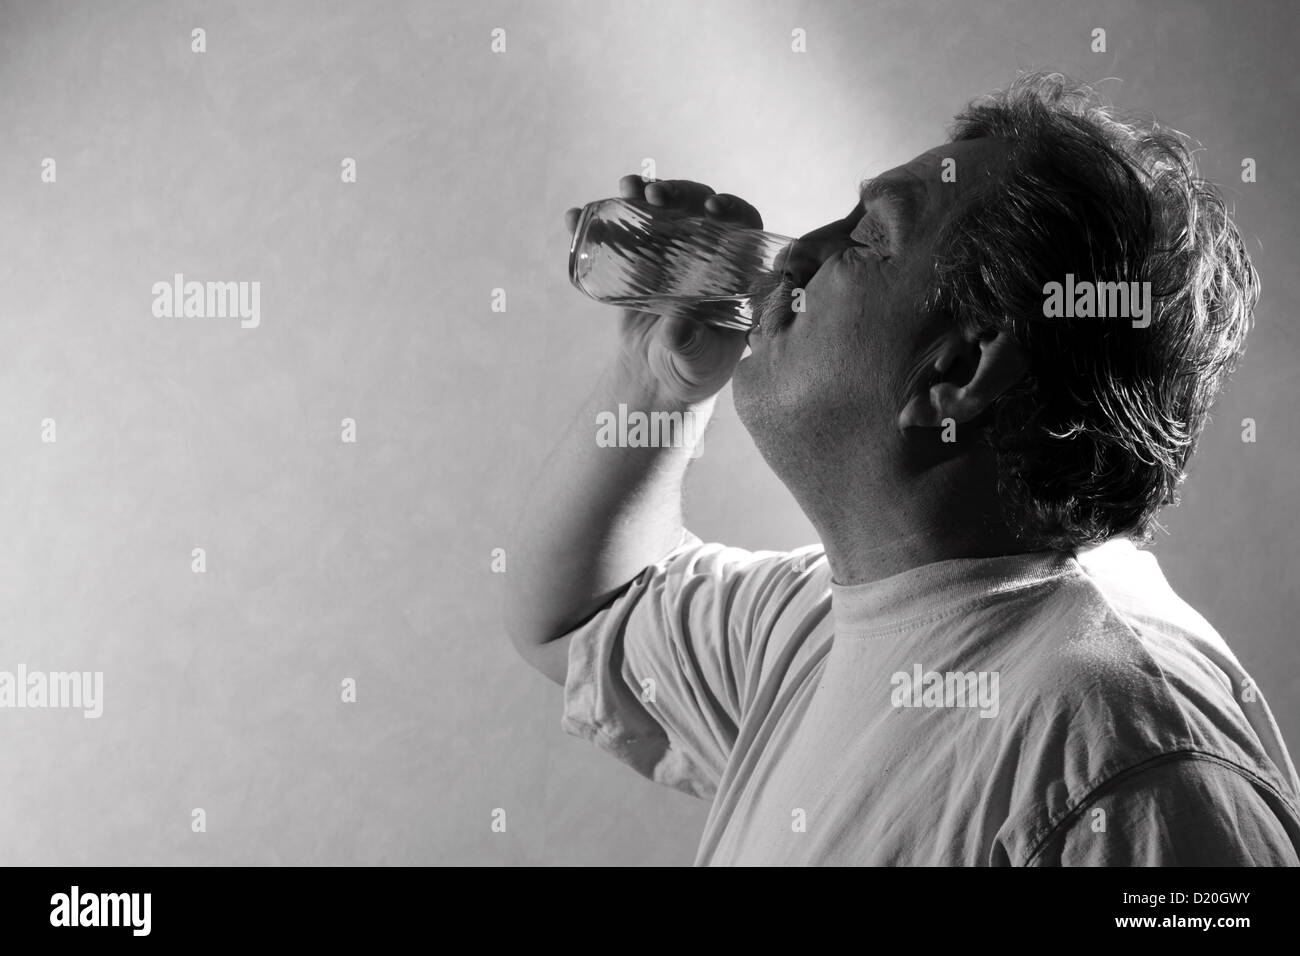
column 892, row 526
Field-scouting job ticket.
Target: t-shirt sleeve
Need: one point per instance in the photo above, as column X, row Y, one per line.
column 1187, row 810
column 661, row 678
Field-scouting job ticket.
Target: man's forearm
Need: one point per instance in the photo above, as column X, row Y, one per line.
column 597, row 514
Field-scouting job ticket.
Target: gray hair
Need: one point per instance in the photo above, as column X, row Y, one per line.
column 1095, row 440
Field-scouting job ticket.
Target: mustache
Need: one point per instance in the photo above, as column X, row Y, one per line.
column 774, row 310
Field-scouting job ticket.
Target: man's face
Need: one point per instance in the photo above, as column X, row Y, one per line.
column 846, row 364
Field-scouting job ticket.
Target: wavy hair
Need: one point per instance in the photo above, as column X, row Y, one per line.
column 1096, row 438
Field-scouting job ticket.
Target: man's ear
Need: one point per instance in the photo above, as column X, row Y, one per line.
column 967, row 375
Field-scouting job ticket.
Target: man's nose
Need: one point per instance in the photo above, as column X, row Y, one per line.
column 800, row 260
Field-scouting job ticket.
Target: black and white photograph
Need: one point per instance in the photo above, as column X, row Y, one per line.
column 702, row 433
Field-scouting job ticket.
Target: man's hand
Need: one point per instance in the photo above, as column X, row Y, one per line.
column 680, row 359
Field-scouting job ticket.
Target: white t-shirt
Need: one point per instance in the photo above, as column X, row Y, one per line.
column 1039, row 709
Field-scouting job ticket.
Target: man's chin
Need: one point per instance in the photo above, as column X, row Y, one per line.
column 755, row 396
column 743, row 388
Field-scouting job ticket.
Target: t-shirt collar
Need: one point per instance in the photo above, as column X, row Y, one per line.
column 913, row 597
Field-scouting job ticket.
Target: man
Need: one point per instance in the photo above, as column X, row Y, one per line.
column 977, row 666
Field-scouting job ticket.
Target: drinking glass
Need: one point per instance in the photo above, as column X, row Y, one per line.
column 628, row 253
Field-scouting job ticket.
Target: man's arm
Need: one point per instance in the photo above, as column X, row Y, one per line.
column 1188, row 810
column 596, row 516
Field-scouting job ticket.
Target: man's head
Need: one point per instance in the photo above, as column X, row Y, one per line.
column 924, row 346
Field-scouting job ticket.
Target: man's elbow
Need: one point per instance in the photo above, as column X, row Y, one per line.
column 541, row 651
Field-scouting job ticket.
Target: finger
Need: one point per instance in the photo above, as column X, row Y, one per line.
column 632, row 186
column 678, row 333
column 571, row 219
column 679, row 193
column 733, row 209
column 633, row 321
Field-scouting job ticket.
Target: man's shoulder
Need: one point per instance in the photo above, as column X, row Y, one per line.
column 1115, row 646
column 1114, row 673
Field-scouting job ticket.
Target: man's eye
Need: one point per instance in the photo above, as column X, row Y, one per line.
column 871, row 235
column 873, row 246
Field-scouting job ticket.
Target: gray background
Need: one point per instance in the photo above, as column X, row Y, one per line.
column 328, row 560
